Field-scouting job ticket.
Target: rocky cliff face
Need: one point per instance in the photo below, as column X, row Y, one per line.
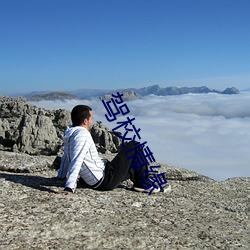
column 32, row 130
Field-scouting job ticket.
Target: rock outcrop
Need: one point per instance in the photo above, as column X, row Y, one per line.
column 26, row 128
column 105, row 139
column 32, row 130
column 127, row 95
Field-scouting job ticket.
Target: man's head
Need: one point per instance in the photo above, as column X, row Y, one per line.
column 81, row 115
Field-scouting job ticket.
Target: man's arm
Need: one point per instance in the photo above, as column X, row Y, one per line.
column 78, row 148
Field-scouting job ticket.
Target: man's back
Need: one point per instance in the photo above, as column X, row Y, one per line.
column 80, row 156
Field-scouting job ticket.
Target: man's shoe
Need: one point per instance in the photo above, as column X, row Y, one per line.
column 166, row 188
column 143, row 190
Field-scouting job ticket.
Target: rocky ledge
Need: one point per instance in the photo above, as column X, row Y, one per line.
column 199, row 213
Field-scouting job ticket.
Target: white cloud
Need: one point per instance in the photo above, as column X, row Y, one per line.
column 208, row 133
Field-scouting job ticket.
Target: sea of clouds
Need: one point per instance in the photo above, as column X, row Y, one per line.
column 207, row 133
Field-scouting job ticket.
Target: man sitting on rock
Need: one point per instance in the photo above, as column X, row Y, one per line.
column 81, row 158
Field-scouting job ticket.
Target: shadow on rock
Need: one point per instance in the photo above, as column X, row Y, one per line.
column 35, row 182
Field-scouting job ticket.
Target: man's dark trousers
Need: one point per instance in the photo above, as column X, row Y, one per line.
column 120, row 169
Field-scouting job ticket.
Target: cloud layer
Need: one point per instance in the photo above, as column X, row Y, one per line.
column 208, row 133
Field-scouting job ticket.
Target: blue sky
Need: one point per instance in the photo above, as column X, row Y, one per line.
column 66, row 45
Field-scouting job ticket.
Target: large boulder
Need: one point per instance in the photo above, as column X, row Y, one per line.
column 105, row 139
column 37, row 133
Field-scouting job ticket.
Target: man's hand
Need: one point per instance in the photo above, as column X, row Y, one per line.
column 66, row 191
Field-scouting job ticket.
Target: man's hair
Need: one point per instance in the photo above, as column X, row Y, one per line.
column 79, row 113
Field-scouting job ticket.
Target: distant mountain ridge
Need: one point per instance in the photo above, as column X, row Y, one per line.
column 130, row 93
column 157, row 90
column 53, row 96
column 133, row 93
